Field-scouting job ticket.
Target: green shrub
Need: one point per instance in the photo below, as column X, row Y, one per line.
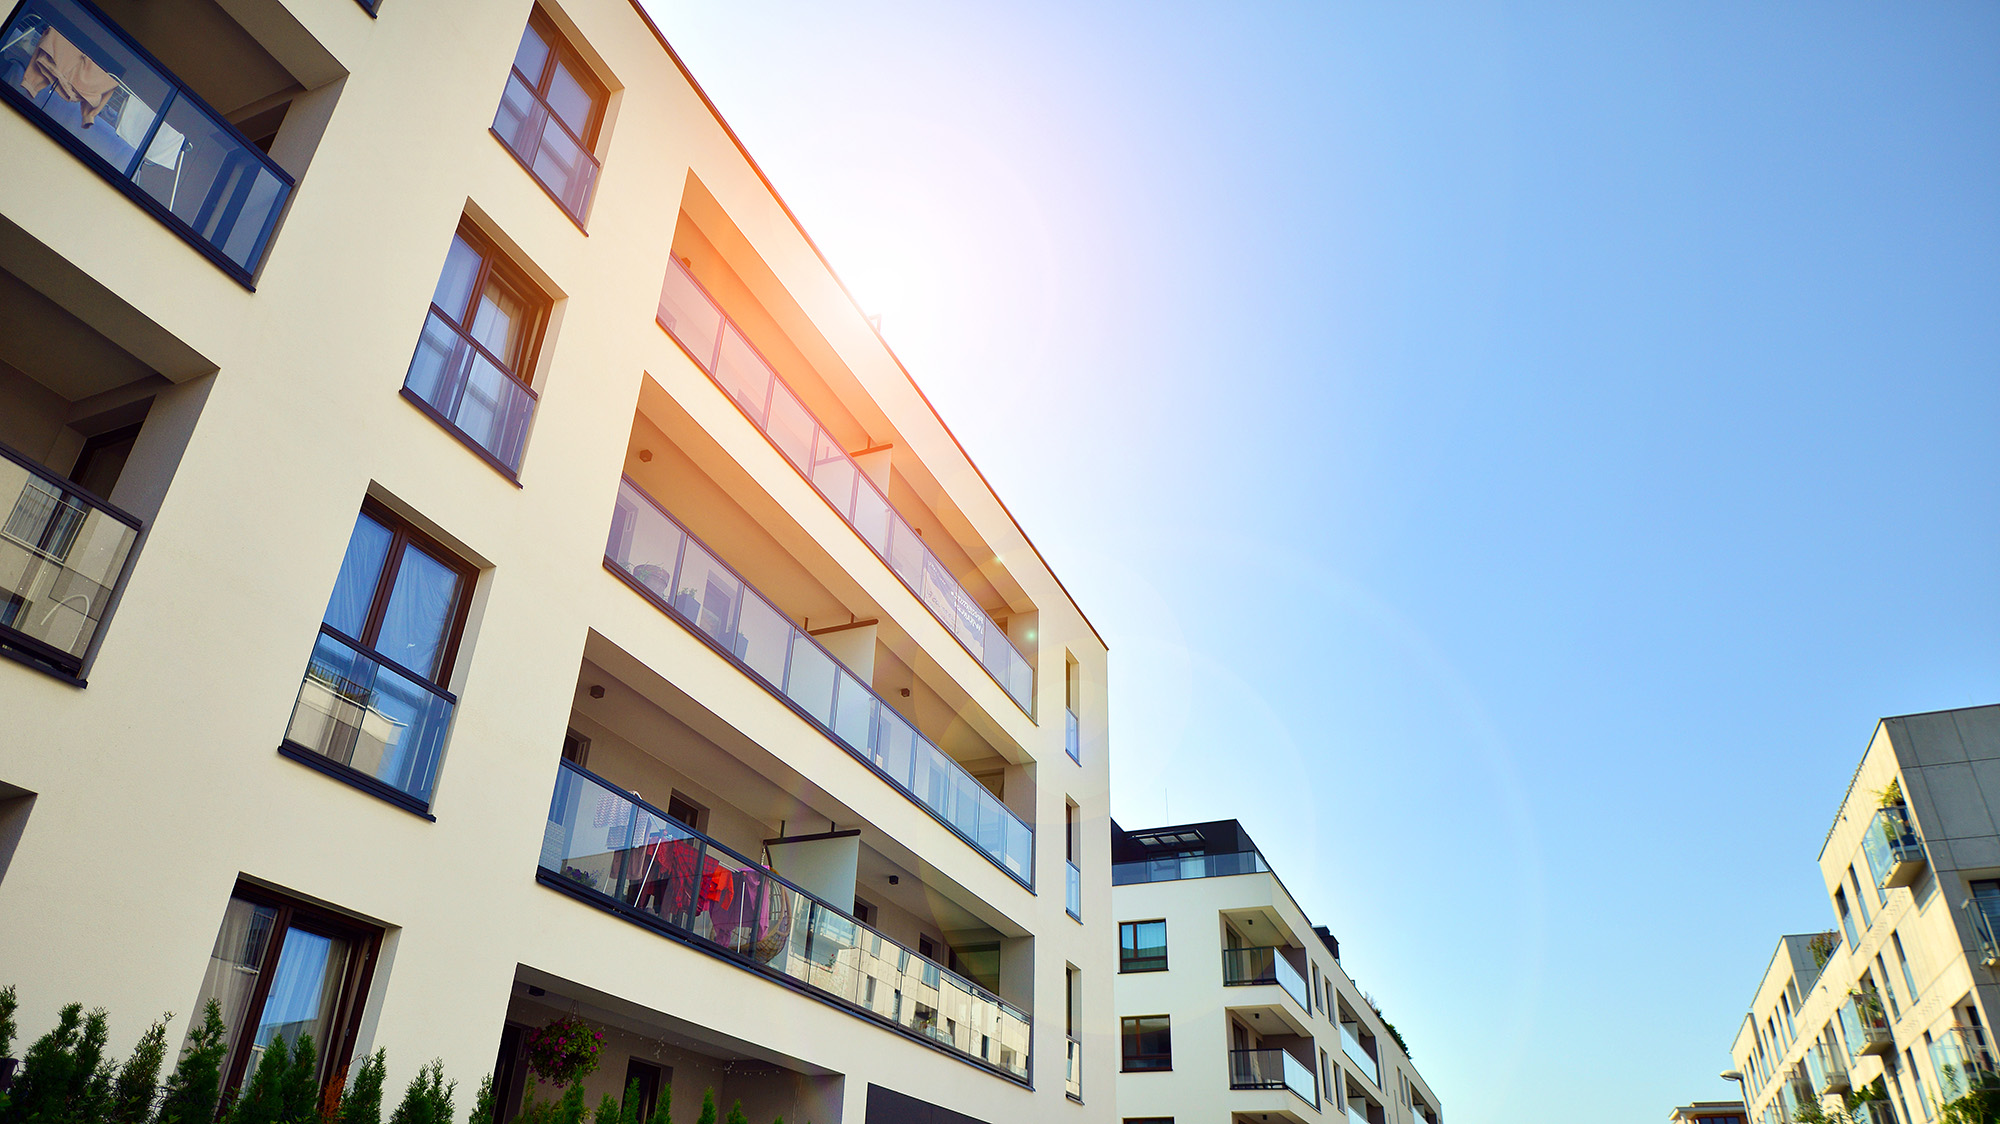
column 63, row 1079
column 138, row 1080
column 736, row 1114
column 196, row 1083
column 483, row 1108
column 663, row 1112
column 428, row 1099
column 362, row 1101
column 707, row 1108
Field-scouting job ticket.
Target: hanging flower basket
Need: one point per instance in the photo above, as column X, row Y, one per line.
column 563, row 1051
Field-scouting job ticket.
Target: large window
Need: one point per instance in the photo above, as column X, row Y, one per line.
column 1142, row 946
column 476, row 358
column 373, row 708
column 283, row 969
column 1147, row 1043
column 550, row 115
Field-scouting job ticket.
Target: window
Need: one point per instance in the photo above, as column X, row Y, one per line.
column 476, row 357
column 1860, row 900
column 1148, row 1044
column 642, row 1080
column 550, row 114
column 1909, row 979
column 687, row 811
column 1072, row 702
column 283, row 969
column 576, row 749
column 1846, row 918
column 372, row 709
column 1142, row 946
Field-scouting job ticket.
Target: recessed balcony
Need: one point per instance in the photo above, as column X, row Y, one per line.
column 1169, row 868
column 1249, row 967
column 630, row 858
column 1828, row 1073
column 62, row 551
column 1272, row 1069
column 715, row 342
column 1362, row 1061
column 1895, row 854
column 85, row 82
column 654, row 555
column 1984, row 913
column 1866, row 1024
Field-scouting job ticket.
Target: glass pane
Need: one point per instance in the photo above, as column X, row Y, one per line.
column 688, row 313
column 570, row 101
column 833, row 474
column 853, row 712
column 906, row 553
column 493, row 410
column 236, row 963
column 707, row 595
column 532, row 54
column 84, row 79
column 790, row 427
column 564, row 167
column 305, row 989
column 498, row 321
column 454, row 287
column 810, row 682
column 894, row 740
column 419, row 615
column 519, row 119
column 763, row 636
column 210, row 180
column 742, row 374
column 871, row 515
column 360, row 572
column 644, row 543
column 353, row 710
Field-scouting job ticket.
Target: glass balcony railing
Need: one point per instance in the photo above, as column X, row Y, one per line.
column 659, row 558
column 81, row 79
column 1073, row 890
column 1828, row 1073
column 544, row 144
column 1895, row 853
column 632, row 858
column 1984, row 913
column 1168, row 868
column 1356, row 1116
column 467, row 390
column 719, row 346
column 1243, row 967
column 1363, row 1061
column 360, row 711
column 1962, row 1062
column 1073, row 1069
column 1272, row 1069
column 1866, row 1025
column 1073, row 736
column 62, row 551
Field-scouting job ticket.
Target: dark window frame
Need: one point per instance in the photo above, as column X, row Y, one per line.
column 360, row 974
column 495, row 261
column 1125, row 962
column 560, row 51
column 1129, row 1032
column 403, row 533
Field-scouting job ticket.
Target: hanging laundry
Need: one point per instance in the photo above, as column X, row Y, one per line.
column 166, row 147
column 74, row 75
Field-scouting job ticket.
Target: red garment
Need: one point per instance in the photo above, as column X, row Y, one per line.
column 718, row 888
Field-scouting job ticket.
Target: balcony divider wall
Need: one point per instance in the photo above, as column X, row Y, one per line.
column 611, row 850
column 653, row 554
column 719, row 347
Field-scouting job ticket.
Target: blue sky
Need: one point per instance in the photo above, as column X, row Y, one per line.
column 1514, row 453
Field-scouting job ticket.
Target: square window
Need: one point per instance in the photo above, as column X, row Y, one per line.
column 550, row 114
column 1147, row 1042
column 1142, row 946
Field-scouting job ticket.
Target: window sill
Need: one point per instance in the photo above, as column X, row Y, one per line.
column 355, row 778
column 1124, row 971
column 1150, row 1069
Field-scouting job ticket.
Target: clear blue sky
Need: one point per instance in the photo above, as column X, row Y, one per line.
column 1515, row 454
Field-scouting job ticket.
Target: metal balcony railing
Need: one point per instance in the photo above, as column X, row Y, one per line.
column 1984, row 913
column 1895, row 854
column 692, row 317
column 361, row 711
column 658, row 558
column 616, row 851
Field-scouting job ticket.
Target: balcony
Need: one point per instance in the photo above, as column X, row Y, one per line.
column 1247, row 967
column 1829, row 1073
column 1866, row 1025
column 1895, row 854
column 1364, row 1062
column 464, row 388
column 714, row 342
column 1073, row 1069
column 62, row 551
column 80, row 78
column 1984, row 913
column 1172, row 867
column 662, row 562
column 1356, row 1116
column 369, row 722
column 630, row 858
column 1272, row 1069
column 1073, row 890
column 1072, row 736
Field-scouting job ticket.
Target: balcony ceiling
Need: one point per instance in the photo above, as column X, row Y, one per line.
column 45, row 342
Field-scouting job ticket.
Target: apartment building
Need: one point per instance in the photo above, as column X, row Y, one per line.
column 1232, row 1005
column 1886, row 1012
column 468, row 562
column 1707, row 1112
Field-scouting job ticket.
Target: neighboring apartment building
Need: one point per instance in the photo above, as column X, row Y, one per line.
column 1891, row 1008
column 1232, row 1005
column 467, row 560
column 1708, row 1112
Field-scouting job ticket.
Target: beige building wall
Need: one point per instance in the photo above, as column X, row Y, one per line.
column 1907, row 926
column 136, row 794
